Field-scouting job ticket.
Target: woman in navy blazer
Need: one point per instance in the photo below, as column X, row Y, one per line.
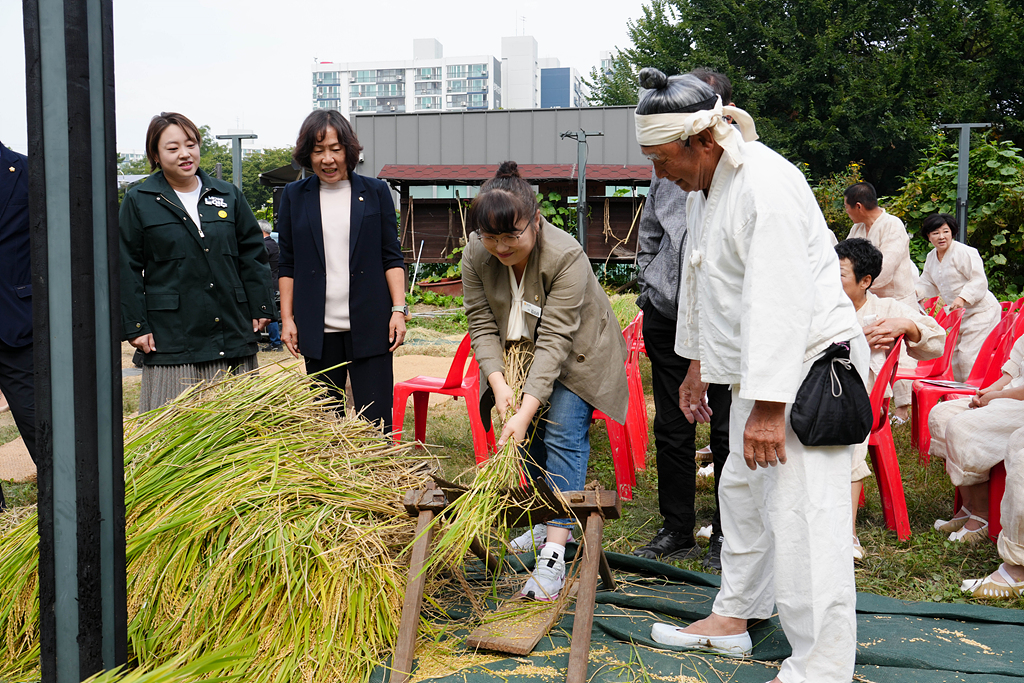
column 336, row 309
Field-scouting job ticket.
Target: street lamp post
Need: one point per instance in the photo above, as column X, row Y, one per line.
column 236, row 154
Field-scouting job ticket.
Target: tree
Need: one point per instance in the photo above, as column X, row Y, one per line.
column 136, row 167
column 256, row 194
column 830, row 81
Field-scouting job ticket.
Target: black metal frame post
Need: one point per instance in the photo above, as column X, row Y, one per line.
column 236, row 155
column 580, row 136
column 963, row 167
column 76, row 316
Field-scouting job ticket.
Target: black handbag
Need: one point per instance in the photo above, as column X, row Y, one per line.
column 832, row 407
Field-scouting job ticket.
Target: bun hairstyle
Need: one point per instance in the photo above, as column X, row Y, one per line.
column 682, row 94
column 504, row 200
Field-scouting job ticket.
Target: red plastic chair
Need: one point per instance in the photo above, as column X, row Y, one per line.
column 941, row 367
column 996, row 487
column 461, row 381
column 628, row 441
column 931, row 306
column 927, row 396
column 883, row 451
column 1005, row 305
column 636, row 425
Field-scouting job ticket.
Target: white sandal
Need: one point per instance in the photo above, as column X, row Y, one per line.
column 966, row 535
column 948, row 526
column 989, row 588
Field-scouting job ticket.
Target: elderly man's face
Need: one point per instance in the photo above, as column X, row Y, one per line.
column 690, row 164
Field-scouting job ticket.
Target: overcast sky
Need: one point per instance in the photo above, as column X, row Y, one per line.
column 247, row 63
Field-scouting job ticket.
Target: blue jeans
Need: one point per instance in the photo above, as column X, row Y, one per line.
column 561, row 444
column 274, row 332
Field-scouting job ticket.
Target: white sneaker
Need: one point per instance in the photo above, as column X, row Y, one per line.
column 706, row 471
column 533, row 539
column 548, row 577
column 858, row 550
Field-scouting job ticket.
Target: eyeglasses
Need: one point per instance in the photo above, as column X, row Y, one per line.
column 508, row 240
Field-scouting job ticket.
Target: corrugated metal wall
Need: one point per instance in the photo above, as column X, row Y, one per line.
column 490, row 137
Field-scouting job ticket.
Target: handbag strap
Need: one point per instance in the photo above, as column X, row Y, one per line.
column 847, row 364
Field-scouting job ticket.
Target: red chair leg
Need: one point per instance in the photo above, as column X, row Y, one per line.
column 890, row 484
column 481, row 443
column 624, row 477
column 420, row 400
column 996, row 486
column 400, row 402
column 919, row 434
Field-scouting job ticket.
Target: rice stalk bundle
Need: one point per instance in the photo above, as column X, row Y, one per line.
column 478, row 513
column 257, row 524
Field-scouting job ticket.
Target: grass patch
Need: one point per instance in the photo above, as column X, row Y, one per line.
column 8, row 433
column 17, row 495
column 455, row 323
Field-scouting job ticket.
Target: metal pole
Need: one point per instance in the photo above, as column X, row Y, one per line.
column 963, row 168
column 236, row 154
column 76, row 315
column 580, row 136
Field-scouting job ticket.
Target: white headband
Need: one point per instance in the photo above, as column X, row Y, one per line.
column 660, row 129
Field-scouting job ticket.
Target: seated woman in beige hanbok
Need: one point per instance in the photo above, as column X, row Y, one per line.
column 1007, row 582
column 955, row 272
column 883, row 321
column 972, row 435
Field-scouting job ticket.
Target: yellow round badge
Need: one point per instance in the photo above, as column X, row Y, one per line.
column 222, row 214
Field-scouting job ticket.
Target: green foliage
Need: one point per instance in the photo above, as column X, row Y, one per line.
column 832, row 81
column 829, row 193
column 136, row 167
column 995, row 219
column 425, row 296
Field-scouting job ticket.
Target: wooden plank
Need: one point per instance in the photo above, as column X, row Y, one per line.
column 579, row 651
column 405, row 647
column 519, row 624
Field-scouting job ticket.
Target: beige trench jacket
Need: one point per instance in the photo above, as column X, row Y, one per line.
column 577, row 337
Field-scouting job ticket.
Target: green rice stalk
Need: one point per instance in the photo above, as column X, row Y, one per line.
column 257, row 524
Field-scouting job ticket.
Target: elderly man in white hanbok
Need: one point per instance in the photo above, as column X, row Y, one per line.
column 1007, row 582
column 883, row 321
column 972, row 434
column 955, row 272
column 764, row 301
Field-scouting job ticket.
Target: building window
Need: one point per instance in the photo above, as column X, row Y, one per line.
column 477, row 70
column 477, row 101
column 457, row 101
column 426, row 103
column 369, row 90
column 458, row 71
column 364, row 77
column 457, row 86
column 363, row 105
column 432, row 73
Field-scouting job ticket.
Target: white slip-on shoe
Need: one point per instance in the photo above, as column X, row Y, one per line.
column 730, row 646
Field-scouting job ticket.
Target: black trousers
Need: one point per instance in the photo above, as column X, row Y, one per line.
column 373, row 382
column 673, row 435
column 18, row 385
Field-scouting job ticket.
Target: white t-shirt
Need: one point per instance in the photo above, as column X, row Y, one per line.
column 190, row 202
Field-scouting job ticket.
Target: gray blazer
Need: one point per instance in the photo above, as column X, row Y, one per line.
column 577, row 337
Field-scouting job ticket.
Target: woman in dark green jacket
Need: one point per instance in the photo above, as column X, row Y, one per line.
column 195, row 282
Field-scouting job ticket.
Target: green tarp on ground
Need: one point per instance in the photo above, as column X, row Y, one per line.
column 897, row 641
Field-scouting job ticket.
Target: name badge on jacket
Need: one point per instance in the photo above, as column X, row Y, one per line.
column 532, row 309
